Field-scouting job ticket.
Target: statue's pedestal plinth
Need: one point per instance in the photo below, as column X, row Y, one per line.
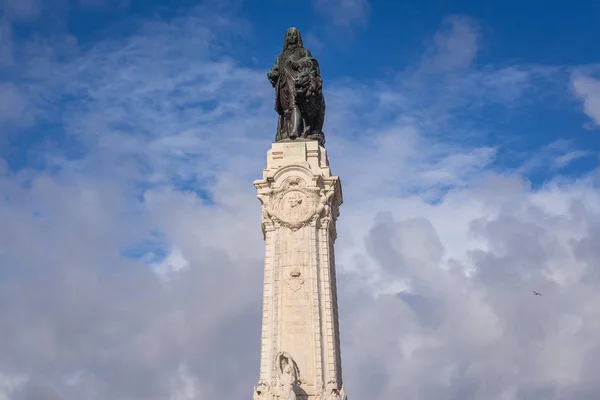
column 300, row 333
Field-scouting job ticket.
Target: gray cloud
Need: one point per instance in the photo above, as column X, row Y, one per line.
column 448, row 335
column 587, row 90
column 80, row 310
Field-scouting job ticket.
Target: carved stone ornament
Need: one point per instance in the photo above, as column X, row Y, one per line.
column 331, row 391
column 287, row 376
column 293, row 204
column 263, row 391
column 295, row 281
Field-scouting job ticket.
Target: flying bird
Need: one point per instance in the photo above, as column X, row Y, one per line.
column 536, row 293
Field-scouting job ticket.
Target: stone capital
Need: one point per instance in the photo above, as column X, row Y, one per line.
column 297, row 188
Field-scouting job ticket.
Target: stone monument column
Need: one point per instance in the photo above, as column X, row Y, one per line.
column 300, row 346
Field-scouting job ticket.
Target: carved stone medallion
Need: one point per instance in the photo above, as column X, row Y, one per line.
column 293, row 204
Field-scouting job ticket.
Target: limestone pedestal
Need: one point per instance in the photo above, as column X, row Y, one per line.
column 300, row 349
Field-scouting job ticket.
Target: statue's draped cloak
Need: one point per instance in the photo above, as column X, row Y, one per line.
column 284, row 97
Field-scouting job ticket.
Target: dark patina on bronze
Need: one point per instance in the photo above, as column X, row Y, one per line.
column 299, row 100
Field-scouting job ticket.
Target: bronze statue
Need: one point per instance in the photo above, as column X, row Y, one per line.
column 299, row 100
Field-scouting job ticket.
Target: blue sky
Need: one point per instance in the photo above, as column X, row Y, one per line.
column 465, row 134
column 363, row 42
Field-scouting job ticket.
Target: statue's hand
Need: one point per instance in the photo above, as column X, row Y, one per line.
column 273, row 75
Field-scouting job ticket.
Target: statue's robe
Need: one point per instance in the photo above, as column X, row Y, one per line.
column 285, row 95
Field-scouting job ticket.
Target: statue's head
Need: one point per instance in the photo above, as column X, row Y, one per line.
column 294, row 200
column 292, row 38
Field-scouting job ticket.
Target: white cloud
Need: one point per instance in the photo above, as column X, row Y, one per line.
column 587, row 89
column 447, row 82
column 185, row 386
column 478, row 335
column 344, row 13
column 455, row 45
column 434, row 296
column 173, row 263
column 555, row 156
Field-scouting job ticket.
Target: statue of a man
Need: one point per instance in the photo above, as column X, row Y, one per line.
column 298, row 91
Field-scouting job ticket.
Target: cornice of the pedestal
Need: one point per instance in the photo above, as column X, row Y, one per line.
column 302, row 153
column 299, row 153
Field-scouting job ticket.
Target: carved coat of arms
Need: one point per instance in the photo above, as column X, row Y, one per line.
column 295, row 281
